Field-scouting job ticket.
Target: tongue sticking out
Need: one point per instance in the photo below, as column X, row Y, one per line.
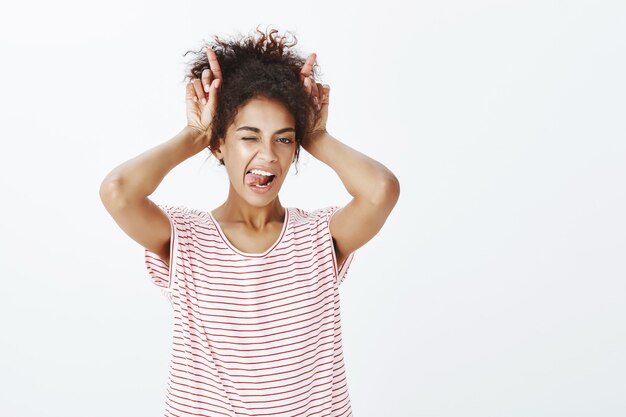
column 254, row 179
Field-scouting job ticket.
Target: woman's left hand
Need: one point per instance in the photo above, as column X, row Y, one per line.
column 319, row 95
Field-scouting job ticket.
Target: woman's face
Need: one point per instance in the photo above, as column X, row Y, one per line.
column 261, row 135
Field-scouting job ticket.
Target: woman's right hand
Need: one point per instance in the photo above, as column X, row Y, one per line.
column 202, row 95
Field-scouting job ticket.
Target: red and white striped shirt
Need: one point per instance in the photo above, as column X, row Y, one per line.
column 255, row 334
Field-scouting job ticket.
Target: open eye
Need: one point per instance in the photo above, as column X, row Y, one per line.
column 284, row 140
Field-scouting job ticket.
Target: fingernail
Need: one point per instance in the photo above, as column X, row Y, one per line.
column 206, row 88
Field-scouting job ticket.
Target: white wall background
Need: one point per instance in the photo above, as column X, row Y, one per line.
column 496, row 287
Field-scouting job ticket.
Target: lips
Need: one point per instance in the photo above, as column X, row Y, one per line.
column 255, row 180
column 251, row 179
column 262, row 190
column 266, row 169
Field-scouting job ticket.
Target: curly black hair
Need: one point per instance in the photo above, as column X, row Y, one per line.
column 257, row 66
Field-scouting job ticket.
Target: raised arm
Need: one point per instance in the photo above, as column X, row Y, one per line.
column 125, row 190
column 375, row 191
column 374, row 188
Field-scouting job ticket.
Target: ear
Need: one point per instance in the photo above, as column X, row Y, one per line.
column 218, row 152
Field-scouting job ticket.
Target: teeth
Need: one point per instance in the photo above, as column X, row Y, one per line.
column 260, row 172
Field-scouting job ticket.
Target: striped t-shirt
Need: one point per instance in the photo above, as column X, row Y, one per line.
column 255, row 334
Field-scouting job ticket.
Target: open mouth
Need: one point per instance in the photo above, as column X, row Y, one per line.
column 259, row 181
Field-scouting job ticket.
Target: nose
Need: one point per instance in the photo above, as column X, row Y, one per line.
column 267, row 150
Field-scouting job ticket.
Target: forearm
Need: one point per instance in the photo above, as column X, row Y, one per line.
column 140, row 176
column 361, row 175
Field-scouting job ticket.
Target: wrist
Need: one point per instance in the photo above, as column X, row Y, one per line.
column 195, row 138
column 315, row 138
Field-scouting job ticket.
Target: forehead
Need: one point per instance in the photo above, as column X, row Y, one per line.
column 265, row 114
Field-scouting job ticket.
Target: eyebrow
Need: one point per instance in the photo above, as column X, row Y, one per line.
column 257, row 130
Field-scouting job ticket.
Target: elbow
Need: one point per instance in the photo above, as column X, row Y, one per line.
column 388, row 191
column 111, row 193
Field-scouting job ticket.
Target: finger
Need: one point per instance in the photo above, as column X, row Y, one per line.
column 308, row 66
column 213, row 94
column 207, row 79
column 314, row 92
column 317, row 95
column 197, row 85
column 326, row 94
column 307, row 86
column 190, row 93
column 214, row 64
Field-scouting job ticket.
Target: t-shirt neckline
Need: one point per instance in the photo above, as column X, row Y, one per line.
column 248, row 254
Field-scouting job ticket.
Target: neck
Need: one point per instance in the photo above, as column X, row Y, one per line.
column 237, row 210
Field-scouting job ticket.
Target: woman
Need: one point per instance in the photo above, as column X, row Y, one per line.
column 253, row 284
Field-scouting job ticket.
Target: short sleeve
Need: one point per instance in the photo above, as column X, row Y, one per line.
column 323, row 217
column 160, row 273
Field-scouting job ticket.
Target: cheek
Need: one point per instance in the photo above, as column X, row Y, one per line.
column 236, row 154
